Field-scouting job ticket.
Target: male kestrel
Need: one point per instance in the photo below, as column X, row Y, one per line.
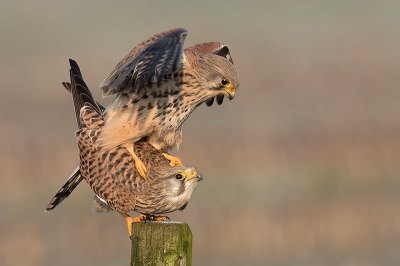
column 111, row 172
column 157, row 85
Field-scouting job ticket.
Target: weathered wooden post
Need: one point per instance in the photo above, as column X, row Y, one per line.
column 161, row 243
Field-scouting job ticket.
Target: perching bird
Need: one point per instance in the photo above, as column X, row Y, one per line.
column 157, row 85
column 111, row 172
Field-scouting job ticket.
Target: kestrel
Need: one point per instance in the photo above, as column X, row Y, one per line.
column 111, row 173
column 157, row 86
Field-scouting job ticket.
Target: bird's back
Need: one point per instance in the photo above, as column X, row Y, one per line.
column 110, row 173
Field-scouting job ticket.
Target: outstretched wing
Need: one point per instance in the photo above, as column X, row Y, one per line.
column 149, row 60
column 217, row 48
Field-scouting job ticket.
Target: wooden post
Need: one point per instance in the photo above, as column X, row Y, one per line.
column 161, row 243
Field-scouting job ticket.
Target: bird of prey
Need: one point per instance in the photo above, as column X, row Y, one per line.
column 111, row 173
column 157, row 86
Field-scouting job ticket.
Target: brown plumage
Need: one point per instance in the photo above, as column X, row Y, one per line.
column 158, row 84
column 111, row 172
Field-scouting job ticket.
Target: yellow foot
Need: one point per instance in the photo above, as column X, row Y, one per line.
column 141, row 218
column 156, row 218
column 173, row 161
column 129, row 220
column 140, row 167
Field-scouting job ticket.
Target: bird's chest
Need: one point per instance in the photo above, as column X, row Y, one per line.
column 157, row 113
column 165, row 114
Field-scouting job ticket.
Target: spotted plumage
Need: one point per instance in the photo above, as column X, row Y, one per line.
column 111, row 173
column 159, row 84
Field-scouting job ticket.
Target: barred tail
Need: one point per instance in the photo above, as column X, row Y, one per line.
column 74, row 180
column 68, row 87
column 81, row 95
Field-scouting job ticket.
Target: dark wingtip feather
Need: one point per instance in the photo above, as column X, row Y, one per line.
column 67, row 86
column 210, row 102
column 220, row 99
column 224, row 52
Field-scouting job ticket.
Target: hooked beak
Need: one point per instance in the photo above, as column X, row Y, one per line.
column 230, row 92
column 195, row 177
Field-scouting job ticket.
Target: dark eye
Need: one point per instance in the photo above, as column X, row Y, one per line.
column 178, row 176
column 224, row 82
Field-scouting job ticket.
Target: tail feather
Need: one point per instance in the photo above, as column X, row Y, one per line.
column 80, row 92
column 74, row 180
column 81, row 96
column 68, row 87
column 74, row 65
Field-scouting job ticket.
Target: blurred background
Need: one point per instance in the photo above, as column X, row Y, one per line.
column 301, row 168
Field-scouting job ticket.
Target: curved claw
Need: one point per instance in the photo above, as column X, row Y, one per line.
column 129, row 220
column 150, row 217
column 141, row 218
column 161, row 218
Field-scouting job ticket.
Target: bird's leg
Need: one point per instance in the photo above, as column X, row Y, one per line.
column 173, row 161
column 142, row 217
column 129, row 220
column 140, row 167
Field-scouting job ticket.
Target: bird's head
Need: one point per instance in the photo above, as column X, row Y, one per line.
column 218, row 77
column 178, row 184
column 185, row 177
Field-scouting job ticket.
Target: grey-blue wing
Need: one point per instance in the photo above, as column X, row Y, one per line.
column 151, row 59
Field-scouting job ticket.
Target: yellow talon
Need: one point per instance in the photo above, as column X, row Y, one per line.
column 140, row 167
column 173, row 161
column 161, row 218
column 129, row 220
column 142, row 217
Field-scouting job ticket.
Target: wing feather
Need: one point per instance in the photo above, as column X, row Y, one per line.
column 216, row 48
column 152, row 58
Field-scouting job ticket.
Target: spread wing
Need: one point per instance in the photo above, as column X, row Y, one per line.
column 216, row 48
column 151, row 59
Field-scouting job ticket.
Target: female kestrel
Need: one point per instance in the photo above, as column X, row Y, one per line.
column 157, row 85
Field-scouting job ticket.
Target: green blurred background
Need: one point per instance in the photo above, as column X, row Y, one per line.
column 301, row 168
